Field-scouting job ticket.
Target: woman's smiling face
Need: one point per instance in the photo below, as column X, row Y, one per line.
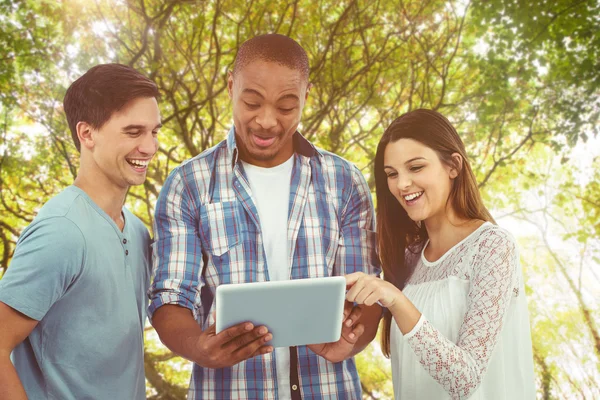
column 417, row 178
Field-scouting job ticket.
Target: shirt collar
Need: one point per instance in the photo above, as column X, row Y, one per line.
column 301, row 146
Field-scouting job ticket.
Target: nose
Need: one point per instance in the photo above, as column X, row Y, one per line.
column 403, row 182
column 149, row 144
column 266, row 119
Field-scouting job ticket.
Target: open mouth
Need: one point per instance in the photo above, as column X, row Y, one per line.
column 262, row 141
column 413, row 197
column 138, row 164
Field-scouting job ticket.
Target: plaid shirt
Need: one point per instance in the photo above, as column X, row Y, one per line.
column 208, row 233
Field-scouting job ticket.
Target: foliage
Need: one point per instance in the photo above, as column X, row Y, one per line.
column 519, row 79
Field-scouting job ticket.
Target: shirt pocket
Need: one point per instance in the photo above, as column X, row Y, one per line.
column 220, row 227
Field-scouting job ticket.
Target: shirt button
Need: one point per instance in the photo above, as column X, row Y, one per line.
column 126, row 252
column 124, row 241
column 294, row 387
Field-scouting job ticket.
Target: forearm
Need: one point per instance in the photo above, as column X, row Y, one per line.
column 178, row 330
column 454, row 368
column 10, row 384
column 405, row 313
column 370, row 319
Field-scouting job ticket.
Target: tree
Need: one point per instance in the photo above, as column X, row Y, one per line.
column 519, row 79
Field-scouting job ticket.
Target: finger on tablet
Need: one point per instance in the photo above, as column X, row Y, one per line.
column 249, row 349
column 364, row 293
column 357, row 332
column 262, row 350
column 233, row 332
column 371, row 299
column 352, row 278
column 354, row 316
column 354, row 291
column 348, row 306
column 244, row 339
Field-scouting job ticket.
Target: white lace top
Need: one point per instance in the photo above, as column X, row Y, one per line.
column 473, row 338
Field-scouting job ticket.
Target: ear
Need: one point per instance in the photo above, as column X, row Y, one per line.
column 84, row 133
column 308, row 87
column 457, row 161
column 230, row 84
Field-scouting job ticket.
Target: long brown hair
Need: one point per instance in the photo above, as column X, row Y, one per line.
column 396, row 232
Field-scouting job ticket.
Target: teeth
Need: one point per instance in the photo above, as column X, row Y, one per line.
column 139, row 163
column 412, row 196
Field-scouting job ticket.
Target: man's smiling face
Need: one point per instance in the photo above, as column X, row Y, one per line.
column 123, row 147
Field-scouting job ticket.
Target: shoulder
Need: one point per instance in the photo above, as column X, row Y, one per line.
column 335, row 164
column 218, row 151
column 50, row 246
column 490, row 235
column 203, row 165
column 56, row 230
column 191, row 179
column 342, row 175
column 496, row 251
column 58, row 221
column 66, row 203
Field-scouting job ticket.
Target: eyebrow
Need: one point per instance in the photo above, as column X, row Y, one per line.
column 284, row 97
column 134, row 126
column 289, row 96
column 252, row 91
column 408, row 162
column 414, row 159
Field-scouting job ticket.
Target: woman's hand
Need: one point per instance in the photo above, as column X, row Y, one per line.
column 369, row 289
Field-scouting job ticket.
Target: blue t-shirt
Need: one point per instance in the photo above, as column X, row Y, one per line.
column 85, row 281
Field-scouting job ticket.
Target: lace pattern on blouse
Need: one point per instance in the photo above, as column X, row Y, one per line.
column 489, row 260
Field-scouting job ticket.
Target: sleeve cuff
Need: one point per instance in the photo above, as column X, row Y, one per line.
column 19, row 306
column 416, row 328
column 170, row 298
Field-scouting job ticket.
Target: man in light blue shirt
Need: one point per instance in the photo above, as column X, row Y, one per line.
column 72, row 302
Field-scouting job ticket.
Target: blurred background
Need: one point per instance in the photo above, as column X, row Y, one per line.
column 519, row 79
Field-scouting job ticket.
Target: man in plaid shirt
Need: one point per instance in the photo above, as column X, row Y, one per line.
column 264, row 204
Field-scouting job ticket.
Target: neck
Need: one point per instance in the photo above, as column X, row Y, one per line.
column 446, row 230
column 439, row 229
column 105, row 194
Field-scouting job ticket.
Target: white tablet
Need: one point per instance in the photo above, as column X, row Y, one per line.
column 297, row 312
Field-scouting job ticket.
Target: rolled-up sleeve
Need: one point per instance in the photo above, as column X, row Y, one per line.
column 177, row 250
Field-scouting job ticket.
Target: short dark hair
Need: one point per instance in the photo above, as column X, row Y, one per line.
column 102, row 91
column 273, row 47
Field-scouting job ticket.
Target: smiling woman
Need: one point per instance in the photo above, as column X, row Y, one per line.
column 458, row 324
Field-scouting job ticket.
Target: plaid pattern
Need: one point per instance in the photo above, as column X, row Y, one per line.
column 208, row 233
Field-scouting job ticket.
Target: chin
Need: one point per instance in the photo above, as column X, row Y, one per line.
column 265, row 155
column 416, row 217
column 136, row 181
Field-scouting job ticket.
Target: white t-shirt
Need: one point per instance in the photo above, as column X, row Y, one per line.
column 271, row 194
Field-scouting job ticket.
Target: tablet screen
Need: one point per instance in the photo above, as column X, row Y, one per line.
column 296, row 312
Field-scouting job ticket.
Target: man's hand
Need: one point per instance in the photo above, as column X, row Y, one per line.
column 180, row 332
column 351, row 331
column 232, row 345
